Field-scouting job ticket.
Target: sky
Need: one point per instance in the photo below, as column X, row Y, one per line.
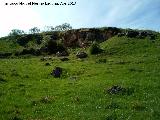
column 136, row 14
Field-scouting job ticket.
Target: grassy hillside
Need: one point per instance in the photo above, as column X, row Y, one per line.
column 28, row 90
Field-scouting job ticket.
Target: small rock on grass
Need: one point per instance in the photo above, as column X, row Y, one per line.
column 57, row 72
column 120, row 90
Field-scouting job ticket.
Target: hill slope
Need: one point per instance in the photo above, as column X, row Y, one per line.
column 120, row 83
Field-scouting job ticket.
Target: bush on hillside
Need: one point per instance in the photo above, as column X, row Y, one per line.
column 95, row 49
column 24, row 39
column 53, row 47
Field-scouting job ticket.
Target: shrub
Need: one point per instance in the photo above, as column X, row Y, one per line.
column 95, row 49
column 53, row 47
column 23, row 40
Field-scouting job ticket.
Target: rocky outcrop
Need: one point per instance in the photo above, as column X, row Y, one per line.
column 138, row 34
column 83, row 37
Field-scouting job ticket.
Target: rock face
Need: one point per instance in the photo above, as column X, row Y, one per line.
column 83, row 37
column 81, row 55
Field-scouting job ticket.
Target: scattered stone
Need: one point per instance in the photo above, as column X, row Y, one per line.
column 64, row 59
column 81, row 55
column 116, row 90
column 46, row 99
column 46, row 58
column 57, row 72
column 64, row 53
column 120, row 90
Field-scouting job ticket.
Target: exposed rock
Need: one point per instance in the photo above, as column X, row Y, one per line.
column 46, row 99
column 116, row 90
column 63, row 53
column 57, row 72
column 82, row 37
column 81, row 55
column 120, row 90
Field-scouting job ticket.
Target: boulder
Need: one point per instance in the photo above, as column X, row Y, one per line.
column 116, row 90
column 57, row 72
column 81, row 55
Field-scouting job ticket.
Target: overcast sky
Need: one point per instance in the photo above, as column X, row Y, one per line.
column 141, row 14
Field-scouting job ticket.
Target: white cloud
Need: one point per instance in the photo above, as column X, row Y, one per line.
column 18, row 17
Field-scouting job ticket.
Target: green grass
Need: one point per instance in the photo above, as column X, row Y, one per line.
column 28, row 91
